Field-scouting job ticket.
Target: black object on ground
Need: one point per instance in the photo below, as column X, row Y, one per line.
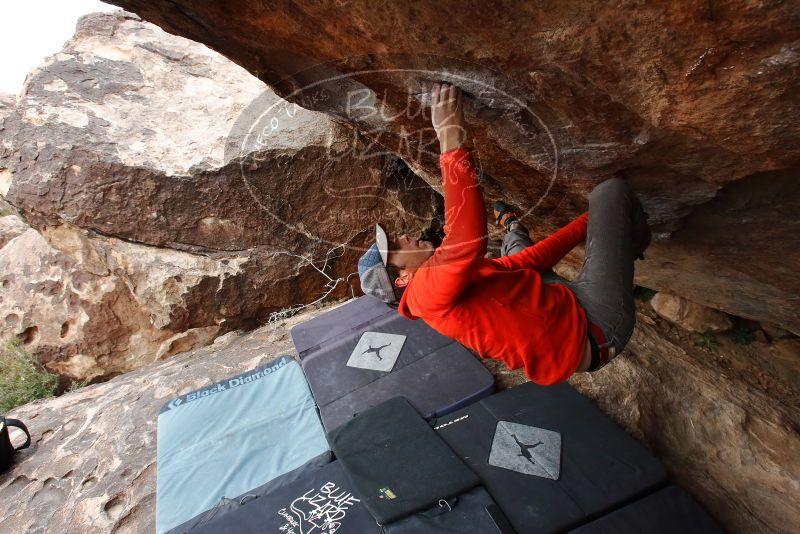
column 397, row 463
column 668, row 511
column 7, row 449
column 313, row 498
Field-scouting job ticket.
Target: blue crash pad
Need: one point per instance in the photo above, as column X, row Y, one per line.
column 226, row 438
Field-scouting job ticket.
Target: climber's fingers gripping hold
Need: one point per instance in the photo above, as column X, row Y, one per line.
column 447, row 116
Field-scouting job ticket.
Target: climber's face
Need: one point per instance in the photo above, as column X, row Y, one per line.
column 408, row 255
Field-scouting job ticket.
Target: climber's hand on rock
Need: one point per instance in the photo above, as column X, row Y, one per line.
column 447, row 116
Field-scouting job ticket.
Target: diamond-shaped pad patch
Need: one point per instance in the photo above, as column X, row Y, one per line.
column 377, row 351
column 526, row 449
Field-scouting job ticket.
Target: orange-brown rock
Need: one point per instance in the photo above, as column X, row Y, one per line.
column 693, row 102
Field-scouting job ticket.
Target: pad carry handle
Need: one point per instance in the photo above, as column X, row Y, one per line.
column 19, row 424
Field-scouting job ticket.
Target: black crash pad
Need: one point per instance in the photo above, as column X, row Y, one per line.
column 320, row 499
column 668, row 511
column 473, row 512
column 397, row 463
column 227, row 505
column 314, row 500
column 348, row 355
column 549, row 458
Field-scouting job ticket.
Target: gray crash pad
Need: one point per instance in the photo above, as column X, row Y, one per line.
column 363, row 353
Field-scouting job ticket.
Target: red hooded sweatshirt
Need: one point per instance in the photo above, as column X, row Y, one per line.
column 499, row 308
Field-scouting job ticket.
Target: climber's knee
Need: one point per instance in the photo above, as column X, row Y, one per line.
column 611, row 188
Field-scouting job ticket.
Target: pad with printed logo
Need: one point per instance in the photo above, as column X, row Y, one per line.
column 377, row 351
column 397, row 463
column 526, row 449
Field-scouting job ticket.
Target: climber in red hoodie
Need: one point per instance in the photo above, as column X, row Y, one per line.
column 514, row 308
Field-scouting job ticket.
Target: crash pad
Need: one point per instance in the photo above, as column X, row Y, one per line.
column 396, row 462
column 231, row 436
column 667, row 511
column 549, row 458
column 363, row 353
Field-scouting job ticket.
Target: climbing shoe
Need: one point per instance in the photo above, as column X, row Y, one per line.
column 504, row 215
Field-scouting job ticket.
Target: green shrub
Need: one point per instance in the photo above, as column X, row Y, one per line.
column 22, row 377
column 78, row 384
column 707, row 341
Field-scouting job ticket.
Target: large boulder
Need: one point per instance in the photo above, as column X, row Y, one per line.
column 91, row 309
column 137, row 134
column 169, row 224
column 693, row 103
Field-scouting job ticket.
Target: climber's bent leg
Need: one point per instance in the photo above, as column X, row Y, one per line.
column 604, row 287
column 515, row 240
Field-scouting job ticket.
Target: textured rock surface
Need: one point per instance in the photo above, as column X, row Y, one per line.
column 125, row 133
column 689, row 315
column 726, row 429
column 10, row 227
column 95, row 308
column 688, row 101
column 726, row 423
column 124, row 151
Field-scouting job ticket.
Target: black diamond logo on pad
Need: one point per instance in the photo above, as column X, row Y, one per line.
column 526, row 449
column 377, row 351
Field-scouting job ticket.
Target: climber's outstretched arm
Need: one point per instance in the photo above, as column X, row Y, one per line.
column 447, row 272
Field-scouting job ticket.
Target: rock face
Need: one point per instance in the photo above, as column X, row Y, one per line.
column 166, row 223
column 692, row 103
column 725, row 423
column 96, row 308
column 91, row 467
column 10, row 227
column 689, row 315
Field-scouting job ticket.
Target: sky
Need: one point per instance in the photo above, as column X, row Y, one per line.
column 33, row 30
